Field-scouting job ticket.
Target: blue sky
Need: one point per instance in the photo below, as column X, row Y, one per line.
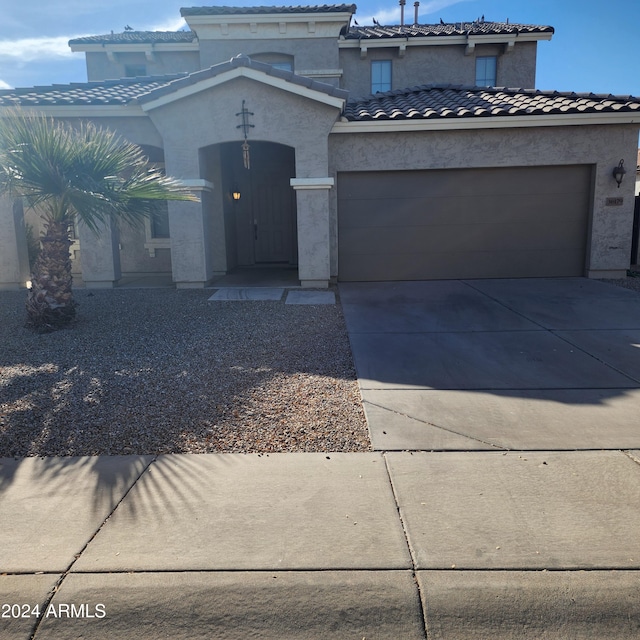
column 595, row 47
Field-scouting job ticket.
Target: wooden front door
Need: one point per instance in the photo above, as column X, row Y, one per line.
column 273, row 217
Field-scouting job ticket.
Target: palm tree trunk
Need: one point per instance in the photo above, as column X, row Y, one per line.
column 50, row 303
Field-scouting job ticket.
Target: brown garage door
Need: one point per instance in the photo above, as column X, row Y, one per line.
column 463, row 223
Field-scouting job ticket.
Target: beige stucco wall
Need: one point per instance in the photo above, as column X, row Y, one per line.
column 308, row 54
column 600, row 146
column 99, row 67
column 437, row 64
column 199, row 232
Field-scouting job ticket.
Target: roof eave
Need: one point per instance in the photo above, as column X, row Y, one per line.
column 439, row 40
column 135, row 47
column 486, row 122
column 80, row 111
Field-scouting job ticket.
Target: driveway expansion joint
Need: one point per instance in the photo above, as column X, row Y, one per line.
column 557, row 332
column 436, row 426
column 421, row 596
column 635, row 456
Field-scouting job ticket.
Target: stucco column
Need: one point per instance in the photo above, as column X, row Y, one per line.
column 100, row 255
column 190, row 238
column 312, row 197
column 612, row 222
column 14, row 258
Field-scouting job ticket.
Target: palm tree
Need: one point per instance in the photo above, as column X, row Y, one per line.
column 67, row 173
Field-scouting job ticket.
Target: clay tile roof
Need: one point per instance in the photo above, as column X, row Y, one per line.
column 138, row 37
column 125, row 90
column 222, row 11
column 107, row 92
column 443, row 30
column 456, row 101
column 244, row 61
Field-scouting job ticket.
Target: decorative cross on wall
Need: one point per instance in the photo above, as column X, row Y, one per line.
column 245, row 126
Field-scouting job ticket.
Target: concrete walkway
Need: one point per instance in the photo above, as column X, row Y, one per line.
column 475, row 538
column 474, row 545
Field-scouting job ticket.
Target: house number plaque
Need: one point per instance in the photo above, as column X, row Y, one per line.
column 614, row 202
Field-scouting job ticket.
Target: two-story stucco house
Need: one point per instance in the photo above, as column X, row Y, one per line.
column 349, row 152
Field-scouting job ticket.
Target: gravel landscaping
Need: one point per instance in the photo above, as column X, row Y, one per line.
column 152, row 371
column 632, row 282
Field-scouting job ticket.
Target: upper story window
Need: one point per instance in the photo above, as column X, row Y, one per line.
column 380, row 75
column 135, row 70
column 276, row 60
column 486, row 71
column 286, row 66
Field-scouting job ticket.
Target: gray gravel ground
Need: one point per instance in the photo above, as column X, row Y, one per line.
column 163, row 371
column 632, row 282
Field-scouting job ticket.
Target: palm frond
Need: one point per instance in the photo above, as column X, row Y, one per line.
column 86, row 171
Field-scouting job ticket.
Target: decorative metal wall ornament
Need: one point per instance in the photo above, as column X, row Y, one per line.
column 246, row 158
column 245, row 126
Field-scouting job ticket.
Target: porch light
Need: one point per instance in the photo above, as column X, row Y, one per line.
column 619, row 172
column 235, row 193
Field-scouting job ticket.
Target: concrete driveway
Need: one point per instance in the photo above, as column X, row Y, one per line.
column 526, row 364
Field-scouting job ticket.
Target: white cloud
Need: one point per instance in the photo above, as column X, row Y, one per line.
column 30, row 49
column 4, row 85
column 169, row 25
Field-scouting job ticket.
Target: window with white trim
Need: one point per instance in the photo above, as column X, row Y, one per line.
column 486, row 71
column 380, row 76
column 156, row 227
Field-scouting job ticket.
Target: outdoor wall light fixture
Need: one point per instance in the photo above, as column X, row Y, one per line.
column 235, row 193
column 619, row 172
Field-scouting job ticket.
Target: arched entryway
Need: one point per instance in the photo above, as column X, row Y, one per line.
column 261, row 224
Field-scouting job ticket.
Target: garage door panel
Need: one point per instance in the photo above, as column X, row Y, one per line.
column 516, row 181
column 444, row 238
column 516, row 222
column 374, row 268
column 459, row 210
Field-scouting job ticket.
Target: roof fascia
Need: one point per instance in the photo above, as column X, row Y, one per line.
column 264, row 18
column 143, row 47
column 244, row 72
column 497, row 122
column 432, row 41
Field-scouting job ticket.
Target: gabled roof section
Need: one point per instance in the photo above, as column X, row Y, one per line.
column 430, row 102
column 265, row 10
column 138, row 37
column 106, row 92
column 153, row 91
column 478, row 28
column 243, row 66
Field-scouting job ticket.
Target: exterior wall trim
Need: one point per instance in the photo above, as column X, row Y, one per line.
column 198, row 185
column 506, row 122
column 136, row 48
column 311, row 183
column 322, row 73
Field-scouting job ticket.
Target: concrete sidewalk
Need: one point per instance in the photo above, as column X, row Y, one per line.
column 372, row 545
